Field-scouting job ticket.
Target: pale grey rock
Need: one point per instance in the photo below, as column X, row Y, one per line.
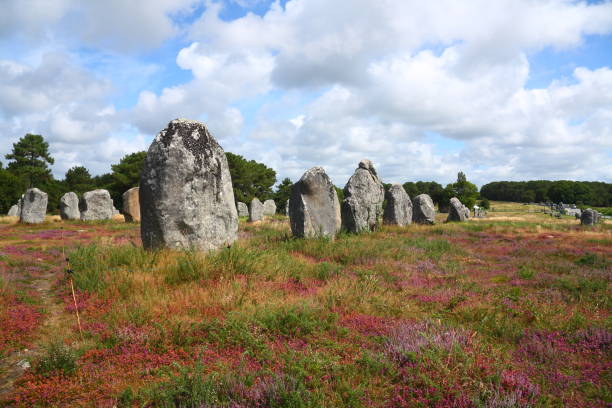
column 96, row 205
column 14, row 211
column 243, row 209
column 269, row 207
column 589, row 217
column 456, row 210
column 131, row 205
column 364, row 195
column 423, row 210
column 287, row 207
column 256, row 210
column 33, row 206
column 69, row 207
column 314, row 208
column 399, row 207
column 186, row 195
column 466, row 212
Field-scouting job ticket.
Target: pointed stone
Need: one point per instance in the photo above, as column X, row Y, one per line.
column 364, row 195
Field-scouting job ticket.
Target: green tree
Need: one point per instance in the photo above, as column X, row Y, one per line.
column 79, row 180
column 125, row 175
column 282, row 194
column 465, row 191
column 250, row 178
column 10, row 190
column 30, row 159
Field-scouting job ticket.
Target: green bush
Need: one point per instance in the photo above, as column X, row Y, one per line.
column 57, row 357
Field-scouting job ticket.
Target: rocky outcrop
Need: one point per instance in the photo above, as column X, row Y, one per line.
column 364, row 195
column 186, row 196
column 399, row 207
column 69, row 207
column 33, row 206
column 423, row 210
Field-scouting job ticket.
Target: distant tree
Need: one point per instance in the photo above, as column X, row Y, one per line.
column 125, row 175
column 465, row 191
column 484, row 203
column 250, row 179
column 30, row 159
column 79, row 180
column 282, row 194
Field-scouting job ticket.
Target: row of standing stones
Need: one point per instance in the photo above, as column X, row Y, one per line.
column 186, row 199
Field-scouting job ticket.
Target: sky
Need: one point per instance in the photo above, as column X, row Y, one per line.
column 501, row 90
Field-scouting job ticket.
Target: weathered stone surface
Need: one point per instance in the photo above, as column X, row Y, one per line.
column 364, row 195
column 314, row 208
column 589, row 217
column 256, row 210
column 423, row 210
column 456, row 210
column 96, row 205
column 69, row 207
column 287, row 207
column 269, row 207
column 243, row 209
column 399, row 207
column 131, row 205
column 33, row 206
column 14, row 211
column 467, row 212
column 186, row 195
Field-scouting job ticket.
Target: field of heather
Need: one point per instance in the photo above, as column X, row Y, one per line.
column 508, row 311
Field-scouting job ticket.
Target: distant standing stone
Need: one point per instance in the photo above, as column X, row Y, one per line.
column 186, row 195
column 33, row 206
column 14, row 211
column 243, row 210
column 131, row 205
column 256, row 210
column 589, row 217
column 96, row 205
column 364, row 195
column 456, row 210
column 399, row 207
column 423, row 210
column 314, row 208
column 287, row 207
column 69, row 207
column 269, row 207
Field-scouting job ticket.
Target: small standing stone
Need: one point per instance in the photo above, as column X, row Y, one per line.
column 423, row 210
column 243, row 209
column 256, row 210
column 14, row 211
column 589, row 217
column 456, row 210
column 69, row 207
column 287, row 208
column 96, row 205
column 131, row 205
column 33, row 206
column 399, row 206
column 364, row 195
column 314, row 209
column 269, row 207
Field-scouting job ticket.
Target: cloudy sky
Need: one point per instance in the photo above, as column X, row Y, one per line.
column 503, row 90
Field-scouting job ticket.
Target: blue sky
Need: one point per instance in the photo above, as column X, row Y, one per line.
column 505, row 90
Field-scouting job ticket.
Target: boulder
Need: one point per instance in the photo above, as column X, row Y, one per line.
column 33, row 206
column 364, row 195
column 399, row 207
column 131, row 205
column 589, row 217
column 243, row 210
column 314, row 208
column 269, row 207
column 423, row 210
column 14, row 211
column 186, row 195
column 256, row 210
column 69, row 207
column 456, row 210
column 96, row 205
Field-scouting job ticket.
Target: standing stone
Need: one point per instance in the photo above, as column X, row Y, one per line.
column 69, row 207
column 423, row 210
column 14, row 211
column 96, row 205
column 589, row 217
column 256, row 210
column 466, row 212
column 364, row 195
column 269, row 207
column 399, row 206
column 131, row 205
column 456, row 210
column 243, row 210
column 287, row 207
column 186, row 195
column 314, row 208
column 33, row 206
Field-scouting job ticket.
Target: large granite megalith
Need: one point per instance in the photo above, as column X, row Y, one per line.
column 243, row 209
column 399, row 207
column 423, row 210
column 96, row 205
column 269, row 207
column 131, row 205
column 456, row 210
column 314, row 209
column 364, row 194
column 589, row 217
column 186, row 195
column 69, row 207
column 33, row 206
column 256, row 210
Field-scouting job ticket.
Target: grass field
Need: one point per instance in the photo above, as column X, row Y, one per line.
column 508, row 311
